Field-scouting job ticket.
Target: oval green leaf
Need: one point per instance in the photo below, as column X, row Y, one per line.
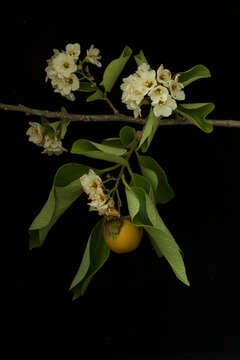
column 127, row 136
column 114, row 69
column 157, row 177
column 197, row 113
column 144, row 213
column 65, row 190
column 149, row 131
column 99, row 151
column 195, row 73
column 95, row 255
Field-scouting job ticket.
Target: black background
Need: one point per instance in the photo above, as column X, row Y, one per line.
column 135, row 306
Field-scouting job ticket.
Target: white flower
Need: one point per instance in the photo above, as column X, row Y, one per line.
column 158, row 93
column 64, row 64
column 176, row 89
column 52, row 146
column 92, row 185
column 165, row 108
column 147, row 78
column 163, row 75
column 35, row 133
column 93, row 56
column 73, row 50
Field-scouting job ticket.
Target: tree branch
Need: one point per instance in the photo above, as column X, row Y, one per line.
column 178, row 120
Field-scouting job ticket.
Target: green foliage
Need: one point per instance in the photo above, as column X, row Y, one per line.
column 99, row 151
column 98, row 95
column 114, row 69
column 140, row 58
column 149, row 131
column 127, row 136
column 144, row 213
column 197, row 114
column 157, row 177
column 65, row 190
column 95, row 255
column 193, row 74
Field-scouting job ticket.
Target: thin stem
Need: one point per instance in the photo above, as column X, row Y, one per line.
column 109, row 168
column 171, row 121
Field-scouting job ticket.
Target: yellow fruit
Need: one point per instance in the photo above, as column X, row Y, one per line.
column 122, row 236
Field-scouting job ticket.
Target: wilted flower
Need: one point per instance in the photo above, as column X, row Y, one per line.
column 52, row 146
column 93, row 56
column 35, row 133
column 92, row 185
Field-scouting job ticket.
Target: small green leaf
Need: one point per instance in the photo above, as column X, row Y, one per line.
column 149, row 131
column 98, row 95
column 197, row 114
column 140, row 58
column 144, row 213
column 157, row 177
column 193, row 74
column 65, row 190
column 99, row 151
column 114, row 69
column 86, row 86
column 95, row 255
column 127, row 136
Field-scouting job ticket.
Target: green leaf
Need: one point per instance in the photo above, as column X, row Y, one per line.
column 114, row 69
column 193, row 74
column 157, row 177
column 141, row 181
column 144, row 213
column 114, row 141
column 127, row 136
column 149, row 131
column 140, row 58
column 95, row 255
column 86, row 86
column 99, row 151
column 197, row 114
column 98, row 95
column 63, row 123
column 65, row 190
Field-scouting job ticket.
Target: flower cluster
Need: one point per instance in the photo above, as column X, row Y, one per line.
column 62, row 68
column 92, row 185
column 37, row 134
column 159, row 87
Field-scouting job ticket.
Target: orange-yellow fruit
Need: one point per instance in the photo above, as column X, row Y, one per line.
column 122, row 236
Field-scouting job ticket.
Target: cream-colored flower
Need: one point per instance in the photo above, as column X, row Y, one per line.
column 73, row 50
column 163, row 75
column 52, row 146
column 176, row 88
column 147, row 78
column 92, row 185
column 64, row 64
column 93, row 56
column 35, row 133
column 165, row 108
column 158, row 93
